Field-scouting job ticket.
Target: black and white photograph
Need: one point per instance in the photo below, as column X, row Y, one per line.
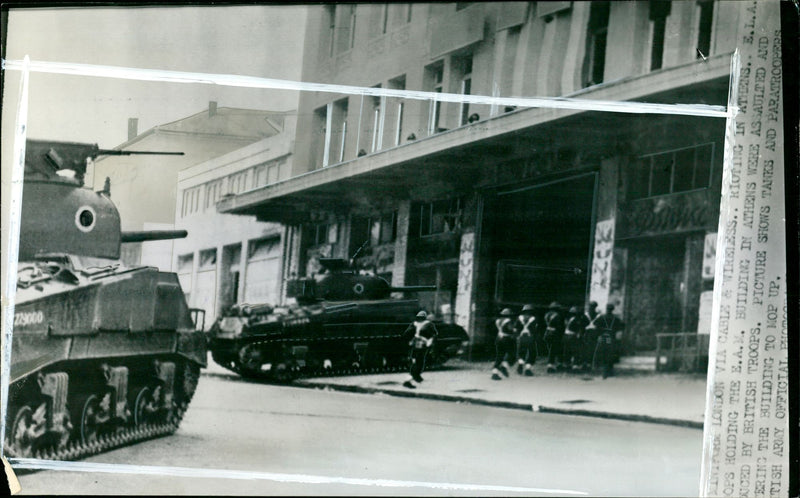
column 449, row 249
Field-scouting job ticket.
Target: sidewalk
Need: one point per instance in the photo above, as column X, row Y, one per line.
column 631, row 394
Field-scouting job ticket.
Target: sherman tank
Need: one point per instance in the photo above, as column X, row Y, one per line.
column 103, row 354
column 344, row 321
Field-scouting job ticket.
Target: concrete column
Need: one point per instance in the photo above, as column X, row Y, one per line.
column 401, row 244
column 466, row 270
column 242, row 270
column 497, row 68
column 572, row 70
column 628, row 46
column 603, row 250
column 218, row 282
column 681, row 34
column 192, row 291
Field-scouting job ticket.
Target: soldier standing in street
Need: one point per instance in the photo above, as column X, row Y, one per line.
column 420, row 335
column 574, row 337
column 554, row 336
column 609, row 329
column 504, row 343
column 526, row 326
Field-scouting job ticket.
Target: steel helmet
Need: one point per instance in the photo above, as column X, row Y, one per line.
column 422, row 315
column 528, row 308
column 507, row 312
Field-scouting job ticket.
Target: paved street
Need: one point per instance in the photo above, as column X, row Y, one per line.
column 292, row 441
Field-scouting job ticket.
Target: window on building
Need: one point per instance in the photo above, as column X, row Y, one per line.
column 345, row 28
column 320, row 136
column 396, row 106
column 259, row 175
column 262, row 248
column 268, row 173
column 213, row 192
column 434, row 78
column 329, row 27
column 706, row 8
column 378, row 104
column 274, row 170
column 191, row 201
column 464, row 67
column 670, row 172
column 185, row 268
column 339, row 131
column 440, row 216
column 388, row 227
column 384, row 17
column 237, row 182
column 208, row 259
column 378, row 23
column 377, row 229
column 383, row 228
column 325, row 233
column 659, row 11
column 596, row 40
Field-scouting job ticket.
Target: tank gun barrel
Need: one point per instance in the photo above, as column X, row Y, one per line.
column 414, row 288
column 114, row 152
column 146, row 235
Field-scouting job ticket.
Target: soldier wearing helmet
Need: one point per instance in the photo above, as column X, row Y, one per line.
column 574, row 337
column 609, row 328
column 420, row 335
column 554, row 336
column 504, row 343
column 526, row 326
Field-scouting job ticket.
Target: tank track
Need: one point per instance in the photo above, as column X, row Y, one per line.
column 123, row 437
column 299, row 373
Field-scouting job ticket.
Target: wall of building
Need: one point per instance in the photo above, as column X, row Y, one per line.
column 516, row 49
column 543, row 49
column 228, row 259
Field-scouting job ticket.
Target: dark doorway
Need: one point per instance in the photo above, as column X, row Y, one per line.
column 539, row 241
column 655, row 302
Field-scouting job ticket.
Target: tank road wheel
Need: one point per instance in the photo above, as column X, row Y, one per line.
column 20, row 437
column 283, row 372
column 191, row 376
column 142, row 406
column 250, row 362
column 88, row 428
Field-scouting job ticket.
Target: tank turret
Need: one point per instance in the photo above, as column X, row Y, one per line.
column 60, row 216
column 342, row 281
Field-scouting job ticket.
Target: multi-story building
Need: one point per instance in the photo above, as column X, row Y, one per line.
column 501, row 206
column 144, row 187
column 228, row 259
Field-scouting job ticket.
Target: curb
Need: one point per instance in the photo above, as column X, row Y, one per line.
column 692, row 424
column 414, row 394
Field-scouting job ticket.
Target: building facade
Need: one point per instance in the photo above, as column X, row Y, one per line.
column 144, row 187
column 501, row 206
column 228, row 259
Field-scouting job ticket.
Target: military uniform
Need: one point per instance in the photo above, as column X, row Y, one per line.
column 574, row 336
column 609, row 329
column 504, row 343
column 420, row 335
column 525, row 327
column 554, row 336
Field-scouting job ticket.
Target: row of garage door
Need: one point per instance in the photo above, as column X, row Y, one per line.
column 213, row 287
